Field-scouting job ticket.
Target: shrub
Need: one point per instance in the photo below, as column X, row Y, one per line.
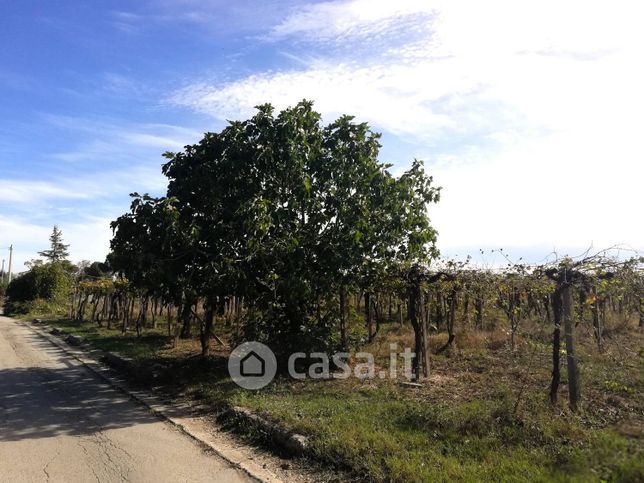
column 50, row 282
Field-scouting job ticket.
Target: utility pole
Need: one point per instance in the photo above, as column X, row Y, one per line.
column 2, row 271
column 10, row 258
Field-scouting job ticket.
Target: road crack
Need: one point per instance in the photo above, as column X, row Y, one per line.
column 45, row 468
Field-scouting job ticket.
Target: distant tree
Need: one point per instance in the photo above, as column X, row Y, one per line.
column 95, row 270
column 58, row 251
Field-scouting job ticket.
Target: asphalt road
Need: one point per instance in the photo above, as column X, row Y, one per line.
column 60, row 422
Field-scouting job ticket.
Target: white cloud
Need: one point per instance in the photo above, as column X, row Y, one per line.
column 21, row 191
column 480, row 64
column 526, row 109
column 383, row 94
column 340, row 20
column 457, row 27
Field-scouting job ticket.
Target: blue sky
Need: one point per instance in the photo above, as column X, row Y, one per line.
column 528, row 115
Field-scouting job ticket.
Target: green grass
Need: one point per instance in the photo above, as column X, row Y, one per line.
column 141, row 348
column 383, row 434
column 462, row 426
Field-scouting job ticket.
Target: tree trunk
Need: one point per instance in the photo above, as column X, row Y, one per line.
column 186, row 318
column 129, row 312
column 420, row 363
column 466, row 307
column 424, row 345
column 512, row 316
column 546, row 303
column 574, row 383
column 377, row 312
column 81, row 308
column 439, row 310
column 155, row 305
column 141, row 319
column 104, row 306
column 112, row 312
column 169, row 316
column 132, row 307
column 450, row 322
column 367, row 307
column 206, row 329
column 556, row 343
column 343, row 317
column 597, row 322
column 72, row 304
column 478, row 308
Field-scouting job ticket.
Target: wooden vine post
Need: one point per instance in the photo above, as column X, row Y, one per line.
column 555, row 300
column 561, row 301
column 574, row 383
column 420, row 362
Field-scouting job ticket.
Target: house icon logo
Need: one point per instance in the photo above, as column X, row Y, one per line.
column 252, row 365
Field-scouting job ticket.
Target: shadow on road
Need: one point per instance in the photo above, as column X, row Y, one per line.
column 43, row 402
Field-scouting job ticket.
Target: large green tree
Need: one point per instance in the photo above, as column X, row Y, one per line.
column 286, row 212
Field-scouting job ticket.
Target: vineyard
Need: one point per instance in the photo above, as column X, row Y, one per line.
column 290, row 233
column 558, row 297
